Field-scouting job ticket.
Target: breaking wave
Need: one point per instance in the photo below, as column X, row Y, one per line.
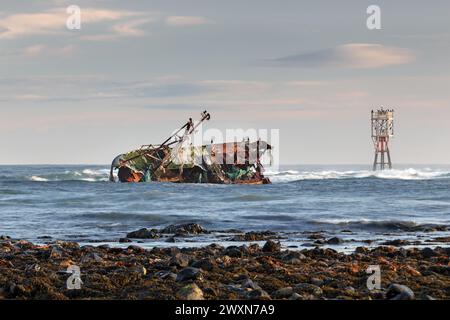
column 381, row 225
column 405, row 174
column 89, row 175
column 102, row 174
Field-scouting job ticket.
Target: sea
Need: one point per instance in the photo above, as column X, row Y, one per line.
column 45, row 203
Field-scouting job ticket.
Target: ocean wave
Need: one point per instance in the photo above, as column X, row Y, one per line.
column 102, row 174
column 380, row 225
column 87, row 175
column 404, row 174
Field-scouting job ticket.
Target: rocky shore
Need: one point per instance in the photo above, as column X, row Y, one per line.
column 30, row 271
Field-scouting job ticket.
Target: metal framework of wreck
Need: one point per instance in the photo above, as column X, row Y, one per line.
column 177, row 160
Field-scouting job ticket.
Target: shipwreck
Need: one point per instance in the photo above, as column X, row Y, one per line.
column 178, row 160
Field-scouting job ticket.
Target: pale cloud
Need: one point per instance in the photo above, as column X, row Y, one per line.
column 353, row 56
column 181, row 21
column 34, row 50
column 41, row 49
column 53, row 21
column 131, row 28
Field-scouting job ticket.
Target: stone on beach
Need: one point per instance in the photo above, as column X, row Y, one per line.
column 189, row 273
column 190, row 292
column 28, row 272
column 143, row 233
column 271, row 246
column 179, row 260
column 399, row 292
column 184, row 229
column 335, row 240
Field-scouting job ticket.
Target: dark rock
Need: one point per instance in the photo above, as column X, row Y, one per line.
column 428, row 253
column 143, row 233
column 295, row 296
column 249, row 284
column 184, row 229
column 91, row 257
column 136, row 249
column 315, row 236
column 125, row 240
column 210, row 292
column 179, row 260
column 316, row 281
column 293, row 257
column 271, row 246
column 166, row 275
column 233, row 252
column 171, row 239
column 56, row 252
column 362, row 250
column 254, row 236
column 335, row 240
column 445, row 270
column 206, row 264
column 258, row 294
column 283, row 293
column 308, row 288
column 396, row 243
column 4, row 237
column 399, row 292
column 189, row 273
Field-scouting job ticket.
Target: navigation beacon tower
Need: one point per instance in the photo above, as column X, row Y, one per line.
column 382, row 131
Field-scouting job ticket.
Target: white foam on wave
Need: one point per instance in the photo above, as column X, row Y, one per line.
column 89, row 175
column 39, row 179
column 402, row 174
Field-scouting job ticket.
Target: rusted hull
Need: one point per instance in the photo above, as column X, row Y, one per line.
column 177, row 160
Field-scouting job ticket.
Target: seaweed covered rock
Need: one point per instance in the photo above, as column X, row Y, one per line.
column 143, row 233
column 184, row 229
column 190, row 292
column 271, row 246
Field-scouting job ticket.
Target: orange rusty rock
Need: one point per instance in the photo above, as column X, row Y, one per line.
column 66, row 263
column 354, row 268
column 412, row 271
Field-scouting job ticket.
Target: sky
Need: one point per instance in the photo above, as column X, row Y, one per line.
column 136, row 70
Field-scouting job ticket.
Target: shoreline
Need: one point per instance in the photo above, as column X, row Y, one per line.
column 30, row 271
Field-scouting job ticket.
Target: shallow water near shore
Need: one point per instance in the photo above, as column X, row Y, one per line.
column 77, row 203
